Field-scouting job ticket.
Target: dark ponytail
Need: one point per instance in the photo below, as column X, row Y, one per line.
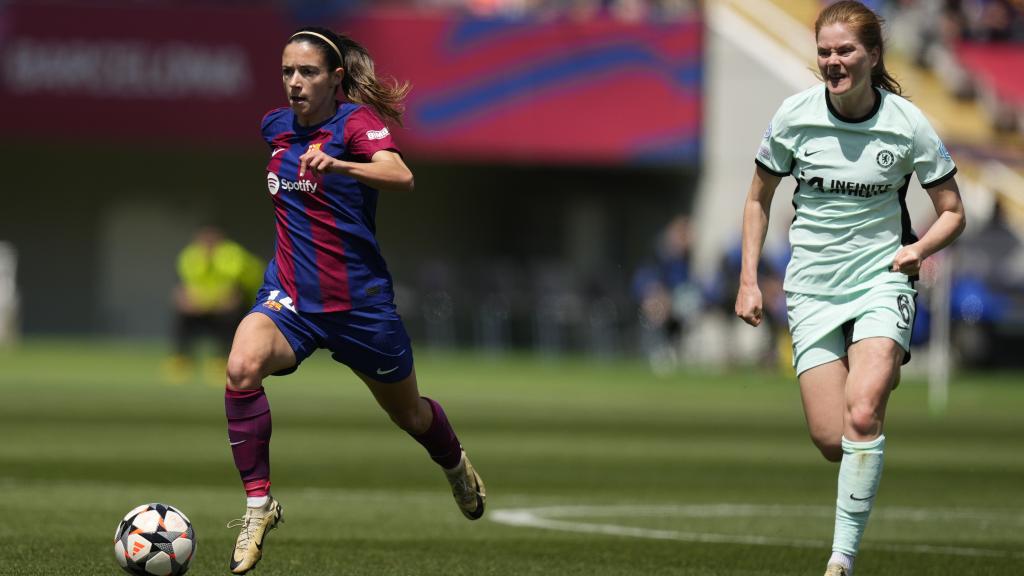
column 360, row 83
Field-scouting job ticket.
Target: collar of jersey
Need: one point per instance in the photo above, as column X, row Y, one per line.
column 848, row 120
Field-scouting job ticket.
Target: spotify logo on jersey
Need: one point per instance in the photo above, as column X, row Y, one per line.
column 273, row 184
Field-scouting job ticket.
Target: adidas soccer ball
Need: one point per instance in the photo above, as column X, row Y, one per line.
column 154, row 540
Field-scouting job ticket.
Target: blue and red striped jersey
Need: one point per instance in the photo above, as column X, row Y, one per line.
column 326, row 256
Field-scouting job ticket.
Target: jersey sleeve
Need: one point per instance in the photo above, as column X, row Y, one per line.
column 270, row 125
column 932, row 162
column 776, row 152
column 366, row 134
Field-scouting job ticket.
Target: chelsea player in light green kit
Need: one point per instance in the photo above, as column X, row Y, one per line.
column 853, row 146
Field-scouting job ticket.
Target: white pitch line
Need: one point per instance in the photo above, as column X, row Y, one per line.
column 541, row 518
column 726, row 510
column 528, row 518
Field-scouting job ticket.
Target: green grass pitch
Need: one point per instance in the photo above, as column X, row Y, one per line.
column 606, row 468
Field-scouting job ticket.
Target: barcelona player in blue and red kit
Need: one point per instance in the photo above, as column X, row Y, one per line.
column 327, row 285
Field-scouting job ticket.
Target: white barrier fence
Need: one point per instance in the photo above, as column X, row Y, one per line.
column 8, row 293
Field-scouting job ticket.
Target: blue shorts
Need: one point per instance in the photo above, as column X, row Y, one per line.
column 370, row 340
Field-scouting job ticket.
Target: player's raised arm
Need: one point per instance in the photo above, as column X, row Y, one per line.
column 385, row 171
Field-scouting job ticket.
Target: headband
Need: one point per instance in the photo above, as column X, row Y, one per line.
column 325, row 39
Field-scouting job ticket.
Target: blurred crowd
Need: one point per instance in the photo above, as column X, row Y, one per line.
column 953, row 20
column 686, row 320
column 973, row 46
column 542, row 10
column 625, row 10
column 984, row 20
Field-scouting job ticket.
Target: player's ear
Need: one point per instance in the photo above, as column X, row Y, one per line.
column 339, row 75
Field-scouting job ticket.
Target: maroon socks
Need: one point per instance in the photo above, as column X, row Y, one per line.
column 248, row 413
column 439, row 439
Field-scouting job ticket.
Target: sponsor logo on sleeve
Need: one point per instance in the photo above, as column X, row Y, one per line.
column 767, row 132
column 378, row 134
column 943, row 152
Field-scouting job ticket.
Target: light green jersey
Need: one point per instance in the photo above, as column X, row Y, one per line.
column 852, row 179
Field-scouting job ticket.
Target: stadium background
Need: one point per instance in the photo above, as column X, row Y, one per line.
column 550, row 151
column 155, row 132
column 554, row 144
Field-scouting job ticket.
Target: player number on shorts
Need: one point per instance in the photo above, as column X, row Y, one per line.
column 286, row 301
column 903, row 304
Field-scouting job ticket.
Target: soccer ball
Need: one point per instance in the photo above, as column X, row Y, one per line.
column 154, row 540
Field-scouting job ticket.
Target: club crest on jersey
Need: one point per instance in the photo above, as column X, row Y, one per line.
column 885, row 158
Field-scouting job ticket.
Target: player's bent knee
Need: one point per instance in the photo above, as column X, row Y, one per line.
column 243, row 373
column 864, row 420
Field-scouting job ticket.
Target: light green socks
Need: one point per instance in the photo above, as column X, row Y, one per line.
column 859, row 473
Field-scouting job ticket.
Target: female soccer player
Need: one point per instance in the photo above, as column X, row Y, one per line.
column 327, row 285
column 852, row 146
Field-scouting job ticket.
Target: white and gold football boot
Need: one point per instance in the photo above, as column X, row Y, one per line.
column 836, row 570
column 255, row 525
column 467, row 488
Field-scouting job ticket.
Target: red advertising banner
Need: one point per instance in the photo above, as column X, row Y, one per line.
column 599, row 91
column 550, row 92
column 91, row 74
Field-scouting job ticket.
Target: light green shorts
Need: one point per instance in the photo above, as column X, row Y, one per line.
column 824, row 326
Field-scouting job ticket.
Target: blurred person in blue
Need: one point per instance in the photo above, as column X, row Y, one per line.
column 666, row 296
column 328, row 285
column 725, row 286
column 852, row 146
column 987, row 295
column 217, row 277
